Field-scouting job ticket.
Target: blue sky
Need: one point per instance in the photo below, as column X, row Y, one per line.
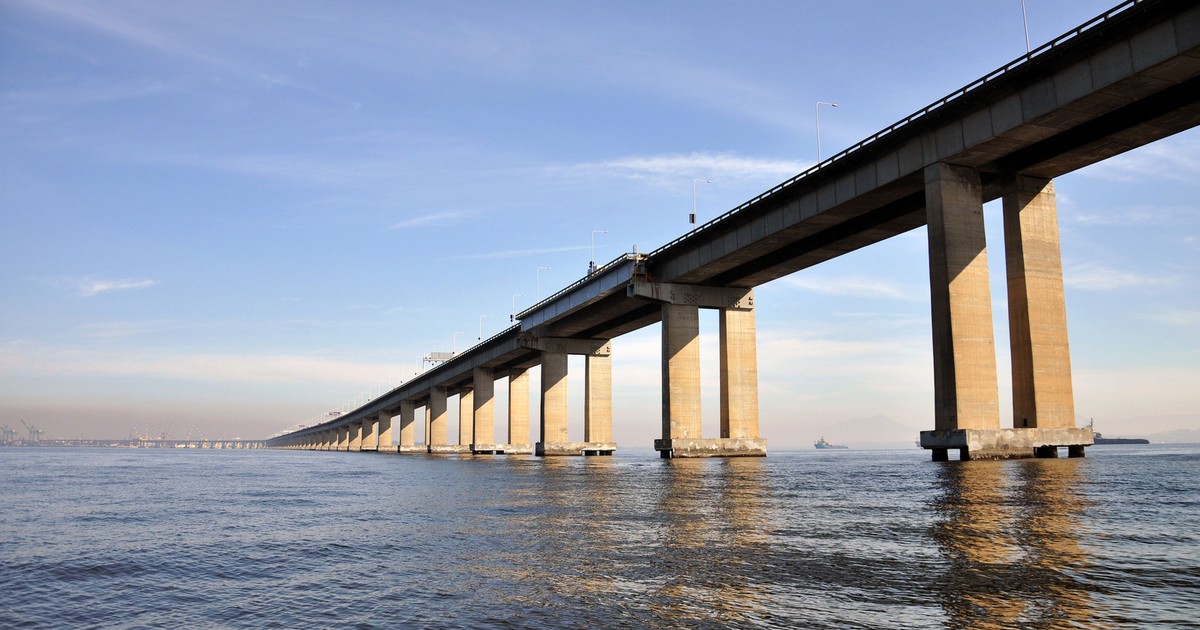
column 225, row 218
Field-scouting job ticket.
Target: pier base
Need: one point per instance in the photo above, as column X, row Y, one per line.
column 1005, row 443
column 487, row 449
column 518, row 449
column 551, row 449
column 450, row 449
column 718, row 447
column 409, row 449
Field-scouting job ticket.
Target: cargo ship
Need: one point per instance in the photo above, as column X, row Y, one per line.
column 821, row 443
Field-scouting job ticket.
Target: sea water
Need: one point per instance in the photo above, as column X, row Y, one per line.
column 135, row 538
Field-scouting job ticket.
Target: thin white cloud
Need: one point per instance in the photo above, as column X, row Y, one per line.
column 434, row 219
column 855, row 287
column 89, row 287
column 1177, row 159
column 1139, row 215
column 1096, row 277
column 1182, row 318
column 21, row 358
column 723, row 166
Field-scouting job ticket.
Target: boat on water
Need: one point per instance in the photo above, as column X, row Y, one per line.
column 821, row 443
column 1100, row 439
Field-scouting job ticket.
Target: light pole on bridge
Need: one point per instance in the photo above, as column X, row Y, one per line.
column 818, row 110
column 692, row 219
column 592, row 264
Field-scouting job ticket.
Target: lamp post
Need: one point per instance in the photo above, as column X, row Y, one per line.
column 513, row 317
column 818, row 109
column 692, row 219
column 480, row 338
column 1025, row 19
column 538, row 283
column 454, row 342
column 592, row 263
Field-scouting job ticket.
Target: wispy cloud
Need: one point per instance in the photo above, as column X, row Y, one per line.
column 434, row 219
column 856, row 287
column 725, row 166
column 1139, row 215
column 1182, row 318
column 1096, row 277
column 1176, row 160
column 89, row 287
column 26, row 358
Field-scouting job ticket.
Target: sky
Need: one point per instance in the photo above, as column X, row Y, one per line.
column 222, row 219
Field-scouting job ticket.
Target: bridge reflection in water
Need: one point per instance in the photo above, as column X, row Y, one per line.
column 1010, row 533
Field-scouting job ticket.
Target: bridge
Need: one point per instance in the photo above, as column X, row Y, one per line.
column 1120, row 81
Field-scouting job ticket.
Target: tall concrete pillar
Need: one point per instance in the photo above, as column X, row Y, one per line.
column 385, row 431
column 438, row 420
column 739, row 374
column 518, row 412
column 483, row 437
column 466, row 416
column 343, row 437
column 680, row 372
column 408, row 427
column 1037, row 312
column 356, row 434
column 554, row 398
column 597, row 409
column 370, row 440
column 964, row 351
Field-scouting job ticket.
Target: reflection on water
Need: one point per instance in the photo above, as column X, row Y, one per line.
column 1009, row 531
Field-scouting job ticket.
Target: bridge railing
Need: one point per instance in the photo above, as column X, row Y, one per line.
column 985, row 81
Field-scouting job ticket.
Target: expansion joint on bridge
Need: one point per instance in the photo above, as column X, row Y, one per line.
column 694, row 295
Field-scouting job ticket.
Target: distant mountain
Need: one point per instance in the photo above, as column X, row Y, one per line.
column 1182, row 435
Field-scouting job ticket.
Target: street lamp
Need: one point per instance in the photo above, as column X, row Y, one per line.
column 513, row 317
column 592, row 263
column 538, row 285
column 692, row 219
column 818, row 108
column 1025, row 18
column 480, row 338
column 454, row 342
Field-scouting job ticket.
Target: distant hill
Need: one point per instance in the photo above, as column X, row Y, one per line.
column 1182, row 435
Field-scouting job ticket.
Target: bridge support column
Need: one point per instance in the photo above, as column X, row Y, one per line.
column 553, row 403
column 343, row 438
column 518, row 412
column 965, row 386
column 466, row 419
column 483, row 438
column 597, row 409
column 681, row 420
column 438, row 422
column 370, row 439
column 408, row 429
column 739, row 375
column 356, row 436
column 384, row 439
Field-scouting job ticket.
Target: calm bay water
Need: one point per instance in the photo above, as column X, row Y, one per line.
column 115, row 538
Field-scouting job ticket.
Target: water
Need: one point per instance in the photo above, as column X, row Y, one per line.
column 115, row 538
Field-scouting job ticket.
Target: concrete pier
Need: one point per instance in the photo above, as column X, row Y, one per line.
column 1037, row 313
column 518, row 413
column 964, row 352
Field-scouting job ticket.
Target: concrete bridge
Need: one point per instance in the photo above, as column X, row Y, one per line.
column 1120, row 81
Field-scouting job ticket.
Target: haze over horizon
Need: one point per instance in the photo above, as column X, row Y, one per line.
column 225, row 219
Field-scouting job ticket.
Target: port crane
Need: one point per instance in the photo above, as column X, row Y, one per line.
column 10, row 435
column 35, row 434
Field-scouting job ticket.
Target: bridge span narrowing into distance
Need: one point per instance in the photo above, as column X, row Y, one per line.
column 1120, row 81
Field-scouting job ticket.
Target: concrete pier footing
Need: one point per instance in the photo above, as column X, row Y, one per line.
column 1006, row 443
column 407, row 449
column 551, row 449
column 720, row 447
column 449, row 449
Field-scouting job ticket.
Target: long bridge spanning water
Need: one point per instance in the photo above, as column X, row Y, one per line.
column 1120, row 81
